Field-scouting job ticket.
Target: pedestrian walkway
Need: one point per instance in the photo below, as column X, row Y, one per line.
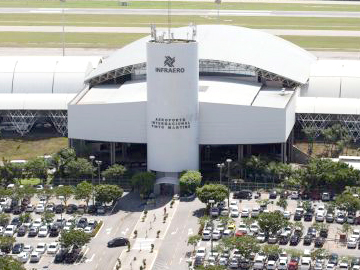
column 143, row 243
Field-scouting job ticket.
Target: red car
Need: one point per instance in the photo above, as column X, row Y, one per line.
column 240, row 233
column 293, row 264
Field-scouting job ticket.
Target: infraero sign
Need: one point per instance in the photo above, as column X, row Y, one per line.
column 169, row 66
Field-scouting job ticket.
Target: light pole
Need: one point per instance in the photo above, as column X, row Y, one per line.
column 220, row 166
column 98, row 162
column 228, row 161
column 211, row 202
column 92, row 158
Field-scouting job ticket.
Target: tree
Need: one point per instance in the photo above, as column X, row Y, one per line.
column 37, row 168
column 211, row 267
column 320, row 226
column 9, row 263
column 310, row 133
column 282, row 202
column 189, row 181
column 61, row 159
column 348, row 202
column 65, row 191
column 11, row 171
column 4, row 219
column 47, row 217
column 115, row 171
column 78, row 168
column 194, row 240
column 215, row 192
column 246, row 245
column 319, row 253
column 272, row 222
column 298, row 225
column 27, row 191
column 84, row 191
column 74, row 238
column 108, row 193
column 6, row 241
column 269, row 250
column 24, row 217
column 144, row 182
column 46, row 193
column 346, row 228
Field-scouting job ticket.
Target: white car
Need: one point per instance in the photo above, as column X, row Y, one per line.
column 23, row 257
column 37, row 223
column 234, row 212
column 41, row 248
column 234, row 263
column 283, row 256
column 223, row 261
column 206, row 235
column 294, row 195
column 261, row 237
column 320, row 217
column 228, row 233
column 352, row 242
column 234, row 203
column 282, row 265
column 343, row 266
column 356, row 233
column 242, row 228
column 318, row 266
column 201, row 252
column 28, row 248
column 254, row 228
column 305, row 264
column 287, row 214
column 53, row 248
column 35, row 256
column 88, row 229
column 216, row 235
column 321, row 209
column 330, row 266
column 40, row 208
column 271, row 265
column 214, row 212
column 10, row 230
column 42, row 200
column 245, row 213
column 224, row 212
column 255, row 212
column 2, row 230
column 43, row 231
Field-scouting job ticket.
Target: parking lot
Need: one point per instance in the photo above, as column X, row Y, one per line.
column 247, row 207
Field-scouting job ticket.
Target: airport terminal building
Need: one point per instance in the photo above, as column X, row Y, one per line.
column 185, row 101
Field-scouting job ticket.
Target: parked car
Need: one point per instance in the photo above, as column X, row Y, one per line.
column 294, row 240
column 59, row 208
column 101, row 210
column 17, row 248
column 91, row 209
column 71, row 208
column 37, row 223
column 312, row 231
column 43, row 231
column 308, row 216
column 54, row 230
column 329, row 218
column 243, row 194
column 17, row 210
column 53, row 248
column 352, row 242
column 22, row 231
column 60, row 256
column 261, row 237
column 272, row 239
column 28, row 248
column 245, row 212
column 284, row 240
column 319, row 242
column 308, row 239
column 10, row 230
column 82, row 223
column 23, row 257
column 333, row 258
column 88, row 229
column 35, row 257
column 40, row 208
column 273, row 194
column 33, row 231
column 324, row 232
column 340, row 218
column 41, row 248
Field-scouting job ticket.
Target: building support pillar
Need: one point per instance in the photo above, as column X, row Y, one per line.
column 123, row 151
column 112, row 153
column 283, row 152
column 248, row 150
column 240, row 152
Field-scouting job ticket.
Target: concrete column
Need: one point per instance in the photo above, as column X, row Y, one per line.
column 112, row 153
column 71, row 143
column 283, row 153
column 123, row 151
column 240, row 152
column 248, row 150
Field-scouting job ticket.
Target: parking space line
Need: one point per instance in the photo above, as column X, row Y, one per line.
column 102, row 225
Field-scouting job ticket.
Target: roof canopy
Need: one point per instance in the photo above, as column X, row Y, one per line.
column 229, row 44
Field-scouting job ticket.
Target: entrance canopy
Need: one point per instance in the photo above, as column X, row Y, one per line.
column 167, row 180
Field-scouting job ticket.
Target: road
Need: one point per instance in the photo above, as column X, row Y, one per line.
column 146, row 30
column 183, row 12
column 173, row 250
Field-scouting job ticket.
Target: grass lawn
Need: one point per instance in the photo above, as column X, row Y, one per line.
column 110, row 40
column 319, row 150
column 145, row 21
column 30, row 181
column 28, row 148
column 176, row 5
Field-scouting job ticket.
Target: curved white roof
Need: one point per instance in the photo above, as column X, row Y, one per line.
column 227, row 43
column 334, row 78
column 44, row 74
column 36, row 101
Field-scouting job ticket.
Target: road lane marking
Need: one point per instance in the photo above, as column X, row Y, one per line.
column 190, row 231
column 174, row 232
column 180, row 260
column 108, row 230
column 91, row 258
column 124, row 232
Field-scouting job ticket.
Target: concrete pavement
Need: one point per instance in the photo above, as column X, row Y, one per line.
column 146, row 30
column 183, row 12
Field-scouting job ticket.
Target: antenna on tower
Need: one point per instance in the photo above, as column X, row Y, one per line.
column 169, row 19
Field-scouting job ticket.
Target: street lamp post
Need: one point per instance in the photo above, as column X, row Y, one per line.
column 228, row 161
column 92, row 158
column 211, row 202
column 98, row 162
column 220, row 166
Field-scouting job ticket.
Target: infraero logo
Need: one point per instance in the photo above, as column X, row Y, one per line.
column 169, row 66
column 169, row 61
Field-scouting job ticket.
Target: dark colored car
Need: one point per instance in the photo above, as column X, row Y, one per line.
column 117, row 242
column 333, row 258
column 294, row 240
column 54, row 231
column 14, row 203
column 82, row 223
column 329, row 218
column 71, row 256
column 308, row 239
column 60, row 222
column 60, row 256
column 17, row 248
column 7, row 209
column 284, row 240
column 33, row 231
column 22, row 231
column 319, row 242
column 91, row 209
column 297, row 216
column 243, row 194
column 355, row 261
column 17, row 210
column 71, row 208
column 7, row 248
column 16, row 221
column 59, row 208
column 273, row 194
column 244, row 263
column 25, row 201
column 308, row 216
column 324, row 233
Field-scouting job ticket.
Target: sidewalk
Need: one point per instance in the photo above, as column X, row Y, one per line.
column 149, row 230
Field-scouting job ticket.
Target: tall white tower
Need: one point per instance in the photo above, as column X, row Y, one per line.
column 172, row 105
